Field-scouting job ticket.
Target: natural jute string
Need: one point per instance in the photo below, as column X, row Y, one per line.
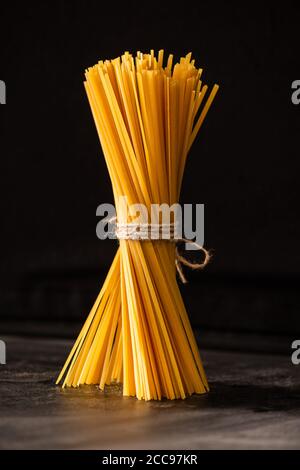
column 152, row 232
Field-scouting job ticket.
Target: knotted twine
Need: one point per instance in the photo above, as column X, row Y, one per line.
column 167, row 232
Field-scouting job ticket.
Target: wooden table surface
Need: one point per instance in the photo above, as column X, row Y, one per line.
column 254, row 403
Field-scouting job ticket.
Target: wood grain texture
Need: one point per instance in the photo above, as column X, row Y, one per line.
column 254, row 404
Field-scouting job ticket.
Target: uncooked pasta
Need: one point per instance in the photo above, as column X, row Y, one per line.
column 138, row 333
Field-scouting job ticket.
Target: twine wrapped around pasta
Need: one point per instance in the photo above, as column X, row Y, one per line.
column 145, row 231
column 138, row 333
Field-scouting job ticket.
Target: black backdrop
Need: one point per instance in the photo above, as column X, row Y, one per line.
column 244, row 166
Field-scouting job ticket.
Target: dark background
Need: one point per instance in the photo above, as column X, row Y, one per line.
column 244, row 165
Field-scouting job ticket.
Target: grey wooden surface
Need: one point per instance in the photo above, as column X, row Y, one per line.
column 254, row 403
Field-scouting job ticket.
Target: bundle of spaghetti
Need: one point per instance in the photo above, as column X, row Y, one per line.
column 138, row 332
